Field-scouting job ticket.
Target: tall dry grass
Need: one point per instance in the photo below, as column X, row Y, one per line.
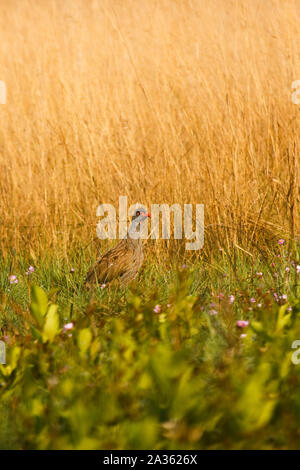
column 160, row 100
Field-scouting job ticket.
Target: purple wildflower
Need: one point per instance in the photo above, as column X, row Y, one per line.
column 30, row 270
column 13, row 279
column 68, row 326
column 213, row 312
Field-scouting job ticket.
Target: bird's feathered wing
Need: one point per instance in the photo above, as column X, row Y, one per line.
column 121, row 262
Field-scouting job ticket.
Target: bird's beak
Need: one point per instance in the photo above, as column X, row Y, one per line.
column 148, row 214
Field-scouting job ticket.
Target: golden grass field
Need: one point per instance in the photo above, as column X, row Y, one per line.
column 165, row 101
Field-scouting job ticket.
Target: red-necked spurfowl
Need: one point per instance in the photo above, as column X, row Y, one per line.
column 121, row 263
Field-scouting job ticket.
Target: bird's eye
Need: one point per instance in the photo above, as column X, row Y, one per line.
column 137, row 213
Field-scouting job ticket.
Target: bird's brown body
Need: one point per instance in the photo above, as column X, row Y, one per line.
column 120, row 264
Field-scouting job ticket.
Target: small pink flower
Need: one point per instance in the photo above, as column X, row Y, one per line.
column 242, row 323
column 243, row 335
column 220, row 296
column 287, row 269
column 252, row 300
column 281, row 241
column 157, row 308
column 68, row 326
column 213, row 312
column 259, row 274
column 13, row 279
column 72, row 270
column 168, row 305
column 289, row 309
column 298, row 269
column 102, row 286
column 231, row 299
column 29, row 271
column 259, row 305
column 283, row 297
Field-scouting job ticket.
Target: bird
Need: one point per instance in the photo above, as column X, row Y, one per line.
column 122, row 263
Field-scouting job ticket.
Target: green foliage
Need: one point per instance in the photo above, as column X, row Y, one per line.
column 39, row 304
column 51, row 325
column 158, row 366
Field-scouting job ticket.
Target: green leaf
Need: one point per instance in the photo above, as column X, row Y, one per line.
column 95, row 348
column 84, row 339
column 257, row 403
column 36, row 333
column 51, row 326
column 283, row 319
column 39, row 304
column 257, row 326
column 13, row 361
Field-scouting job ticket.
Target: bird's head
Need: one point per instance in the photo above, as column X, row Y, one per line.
column 137, row 225
column 140, row 215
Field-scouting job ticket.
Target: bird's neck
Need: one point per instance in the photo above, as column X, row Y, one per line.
column 133, row 234
column 134, row 243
